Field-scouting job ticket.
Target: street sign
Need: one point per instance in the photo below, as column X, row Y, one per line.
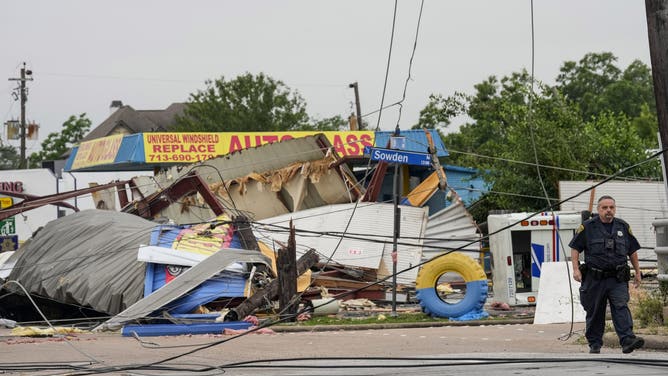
column 7, row 226
column 398, row 156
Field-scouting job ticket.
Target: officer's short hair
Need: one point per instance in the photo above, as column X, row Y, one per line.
column 605, row 197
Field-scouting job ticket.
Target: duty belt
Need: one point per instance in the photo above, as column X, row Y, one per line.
column 621, row 272
column 602, row 273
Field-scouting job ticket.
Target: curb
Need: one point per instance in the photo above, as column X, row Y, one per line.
column 652, row 342
column 325, row 328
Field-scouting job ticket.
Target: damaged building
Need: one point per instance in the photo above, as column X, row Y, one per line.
column 234, row 212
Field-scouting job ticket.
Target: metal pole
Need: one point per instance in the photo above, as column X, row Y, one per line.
column 395, row 190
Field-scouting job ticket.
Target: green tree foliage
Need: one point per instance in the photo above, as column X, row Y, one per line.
column 334, row 123
column 247, row 103
column 9, row 157
column 570, row 140
column 57, row 144
column 597, row 85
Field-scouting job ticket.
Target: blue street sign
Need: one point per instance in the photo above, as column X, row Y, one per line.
column 398, row 156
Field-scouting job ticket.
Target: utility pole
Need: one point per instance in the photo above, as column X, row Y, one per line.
column 354, row 85
column 23, row 97
column 657, row 31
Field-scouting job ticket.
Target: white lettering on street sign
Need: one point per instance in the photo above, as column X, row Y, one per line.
column 389, row 157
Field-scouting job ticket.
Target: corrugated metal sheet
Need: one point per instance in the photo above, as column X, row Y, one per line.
column 638, row 203
column 451, row 228
column 87, row 258
column 465, row 183
column 369, row 229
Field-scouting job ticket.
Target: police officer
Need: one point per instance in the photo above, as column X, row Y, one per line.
column 607, row 242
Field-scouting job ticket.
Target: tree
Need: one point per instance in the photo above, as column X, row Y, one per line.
column 334, row 123
column 504, row 139
column 9, row 157
column 57, row 144
column 245, row 104
column 597, row 85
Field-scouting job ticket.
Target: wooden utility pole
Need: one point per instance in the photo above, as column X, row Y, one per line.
column 354, row 85
column 286, row 263
column 23, row 97
column 270, row 291
column 657, row 31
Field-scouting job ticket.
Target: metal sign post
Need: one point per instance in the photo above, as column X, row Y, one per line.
column 397, row 157
column 395, row 237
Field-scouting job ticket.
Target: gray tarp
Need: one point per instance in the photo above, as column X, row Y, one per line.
column 87, row 258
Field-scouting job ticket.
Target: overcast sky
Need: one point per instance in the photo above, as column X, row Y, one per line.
column 149, row 54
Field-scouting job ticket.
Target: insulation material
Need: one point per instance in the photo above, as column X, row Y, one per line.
column 264, row 181
column 104, row 200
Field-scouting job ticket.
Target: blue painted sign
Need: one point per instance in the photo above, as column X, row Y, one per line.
column 398, row 156
column 9, row 243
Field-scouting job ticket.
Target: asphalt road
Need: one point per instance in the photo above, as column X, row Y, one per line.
column 523, row 349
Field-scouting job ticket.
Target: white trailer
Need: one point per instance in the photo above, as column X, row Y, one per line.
column 520, row 244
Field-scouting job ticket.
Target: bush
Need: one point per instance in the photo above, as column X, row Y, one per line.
column 648, row 307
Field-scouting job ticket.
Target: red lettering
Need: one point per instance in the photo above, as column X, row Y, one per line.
column 211, row 148
column 247, row 140
column 258, row 140
column 366, row 140
column 235, row 144
column 286, row 137
column 338, row 145
column 270, row 138
column 353, row 147
column 12, row 186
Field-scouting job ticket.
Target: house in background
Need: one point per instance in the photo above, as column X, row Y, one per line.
column 126, row 120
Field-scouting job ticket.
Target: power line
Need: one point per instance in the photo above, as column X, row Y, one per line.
column 387, row 69
column 410, row 63
column 541, row 165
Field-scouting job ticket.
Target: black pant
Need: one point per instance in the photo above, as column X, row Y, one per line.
column 594, row 296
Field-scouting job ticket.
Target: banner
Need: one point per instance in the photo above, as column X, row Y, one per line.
column 98, row 151
column 13, row 130
column 194, row 147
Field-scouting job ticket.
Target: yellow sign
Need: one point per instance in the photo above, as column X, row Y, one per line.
column 98, row 151
column 193, row 147
column 6, row 202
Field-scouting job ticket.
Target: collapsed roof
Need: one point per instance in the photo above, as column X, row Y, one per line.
column 264, row 181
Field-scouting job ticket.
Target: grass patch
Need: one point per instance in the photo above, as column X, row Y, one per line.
column 383, row 318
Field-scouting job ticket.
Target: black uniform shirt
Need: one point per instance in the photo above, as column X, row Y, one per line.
column 605, row 249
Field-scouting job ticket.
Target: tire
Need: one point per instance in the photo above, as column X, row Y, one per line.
column 471, row 271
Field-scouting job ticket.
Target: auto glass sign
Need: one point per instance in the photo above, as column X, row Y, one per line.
column 195, row 147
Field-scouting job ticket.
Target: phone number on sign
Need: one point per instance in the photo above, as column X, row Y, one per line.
column 179, row 157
